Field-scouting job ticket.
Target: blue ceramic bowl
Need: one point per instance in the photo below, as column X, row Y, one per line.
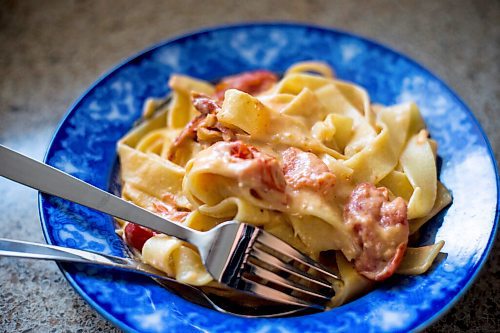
column 84, row 146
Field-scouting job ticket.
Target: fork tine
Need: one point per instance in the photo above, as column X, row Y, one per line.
column 262, row 273
column 283, row 266
column 283, row 248
column 273, row 294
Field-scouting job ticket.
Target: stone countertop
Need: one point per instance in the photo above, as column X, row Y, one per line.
column 53, row 50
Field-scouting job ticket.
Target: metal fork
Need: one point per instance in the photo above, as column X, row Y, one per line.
column 236, row 254
column 206, row 296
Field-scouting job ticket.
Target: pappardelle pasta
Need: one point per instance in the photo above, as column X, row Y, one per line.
column 306, row 157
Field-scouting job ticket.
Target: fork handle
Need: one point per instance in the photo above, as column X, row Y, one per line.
column 21, row 249
column 29, row 250
column 47, row 179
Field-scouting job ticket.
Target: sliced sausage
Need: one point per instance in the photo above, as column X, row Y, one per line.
column 306, row 170
column 380, row 227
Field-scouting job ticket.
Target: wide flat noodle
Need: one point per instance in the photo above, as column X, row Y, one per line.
column 311, row 67
column 443, row 199
column 285, row 232
column 243, row 111
column 149, row 173
column 181, row 108
column 241, row 210
column 337, row 103
column 158, row 252
column 155, row 122
column 335, row 131
column 418, row 260
column 397, row 182
column 168, row 254
column 419, row 165
column 199, row 221
column 311, row 231
column 189, row 268
column 306, row 106
column 353, row 284
column 294, row 83
column 382, row 154
column 314, row 221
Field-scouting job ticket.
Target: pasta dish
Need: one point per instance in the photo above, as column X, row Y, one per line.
column 306, row 157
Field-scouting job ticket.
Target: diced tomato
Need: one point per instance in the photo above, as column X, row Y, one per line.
column 137, row 235
column 252, row 82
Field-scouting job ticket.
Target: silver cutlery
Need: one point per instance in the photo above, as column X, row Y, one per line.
column 237, row 255
column 209, row 297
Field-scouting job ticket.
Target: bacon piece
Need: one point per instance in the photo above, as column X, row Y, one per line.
column 254, row 171
column 170, row 211
column 188, row 132
column 241, row 150
column 227, row 133
column 306, row 170
column 252, row 83
column 258, row 166
column 206, row 106
column 381, row 230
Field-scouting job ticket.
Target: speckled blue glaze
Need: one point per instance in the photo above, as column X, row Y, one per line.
column 84, row 146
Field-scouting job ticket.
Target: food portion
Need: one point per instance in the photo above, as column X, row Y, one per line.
column 306, row 157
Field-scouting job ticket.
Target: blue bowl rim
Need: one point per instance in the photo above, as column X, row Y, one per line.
column 103, row 77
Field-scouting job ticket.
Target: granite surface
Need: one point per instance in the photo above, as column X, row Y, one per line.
column 52, row 50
